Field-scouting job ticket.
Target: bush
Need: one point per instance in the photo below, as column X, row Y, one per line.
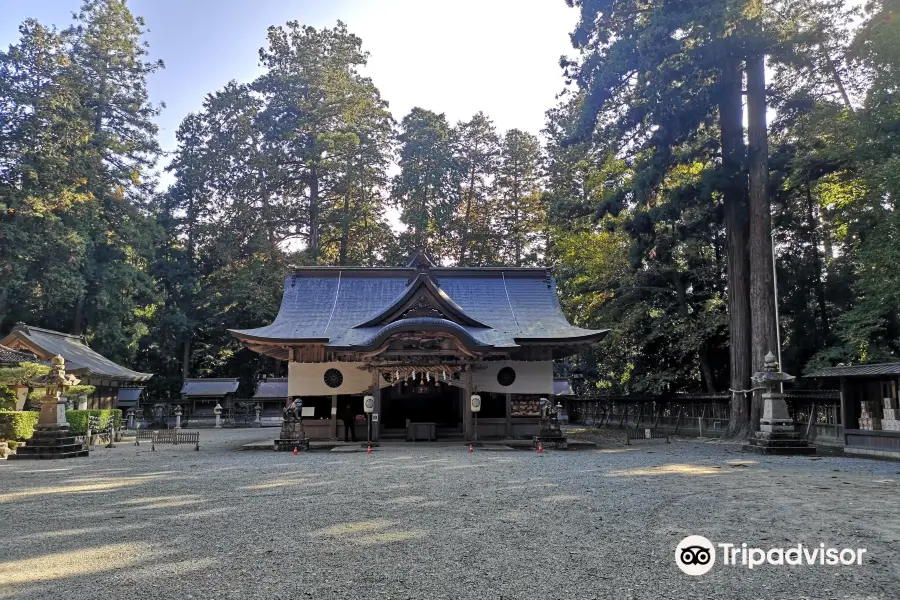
column 12, row 444
column 78, row 419
column 18, row 425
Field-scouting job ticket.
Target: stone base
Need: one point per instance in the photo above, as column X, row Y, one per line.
column 290, row 444
column 780, row 450
column 551, row 438
column 49, row 442
column 779, row 443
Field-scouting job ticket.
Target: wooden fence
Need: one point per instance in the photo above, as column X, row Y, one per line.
column 700, row 414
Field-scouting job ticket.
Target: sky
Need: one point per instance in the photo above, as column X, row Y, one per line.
column 455, row 57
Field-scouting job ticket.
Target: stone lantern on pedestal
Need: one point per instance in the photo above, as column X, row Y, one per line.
column 52, row 437
column 218, row 411
column 776, row 433
column 178, row 413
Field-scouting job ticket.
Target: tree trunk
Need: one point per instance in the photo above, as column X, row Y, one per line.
column 835, row 74
column 817, row 264
column 516, row 230
column 702, row 356
column 78, row 321
column 465, row 231
column 736, row 234
column 345, row 229
column 762, row 278
column 314, row 213
column 186, row 360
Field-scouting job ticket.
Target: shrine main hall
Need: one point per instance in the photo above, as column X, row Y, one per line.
column 421, row 340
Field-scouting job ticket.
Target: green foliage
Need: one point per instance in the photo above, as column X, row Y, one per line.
column 17, row 425
column 518, row 210
column 75, row 167
column 625, row 200
column 426, row 188
column 78, row 419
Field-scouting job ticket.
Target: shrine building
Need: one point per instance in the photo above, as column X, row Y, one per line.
column 421, row 340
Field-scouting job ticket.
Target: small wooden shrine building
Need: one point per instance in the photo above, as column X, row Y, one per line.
column 421, row 340
column 86, row 364
column 201, row 395
column 272, row 397
column 870, row 412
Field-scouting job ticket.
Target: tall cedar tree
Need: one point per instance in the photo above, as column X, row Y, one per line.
column 426, row 187
column 519, row 209
column 477, row 150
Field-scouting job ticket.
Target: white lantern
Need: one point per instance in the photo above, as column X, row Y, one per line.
column 476, row 403
column 369, row 404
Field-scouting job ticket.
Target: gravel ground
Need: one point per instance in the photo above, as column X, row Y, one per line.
column 433, row 521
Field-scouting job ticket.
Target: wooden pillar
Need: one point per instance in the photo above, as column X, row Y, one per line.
column 466, row 401
column 334, row 415
column 845, row 407
column 376, row 393
column 508, row 415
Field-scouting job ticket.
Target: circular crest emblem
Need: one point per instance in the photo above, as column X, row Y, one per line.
column 506, row 376
column 333, row 378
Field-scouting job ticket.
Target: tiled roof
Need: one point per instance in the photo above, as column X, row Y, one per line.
column 80, row 359
column 209, row 387
column 130, row 395
column 12, row 358
column 506, row 307
column 562, row 388
column 876, row 370
column 272, row 388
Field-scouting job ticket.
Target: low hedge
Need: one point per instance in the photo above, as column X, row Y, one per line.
column 18, row 424
column 78, row 419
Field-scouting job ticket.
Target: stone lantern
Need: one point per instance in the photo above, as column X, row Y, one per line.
column 776, row 433
column 218, row 411
column 178, row 413
column 52, row 437
column 257, row 408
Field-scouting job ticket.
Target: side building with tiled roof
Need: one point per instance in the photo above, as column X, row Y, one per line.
column 92, row 368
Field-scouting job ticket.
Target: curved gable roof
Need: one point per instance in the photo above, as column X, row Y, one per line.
column 345, row 307
column 422, row 287
column 80, row 358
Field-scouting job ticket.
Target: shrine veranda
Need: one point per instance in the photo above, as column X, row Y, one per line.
column 433, row 521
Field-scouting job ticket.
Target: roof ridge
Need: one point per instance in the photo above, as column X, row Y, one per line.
column 27, row 328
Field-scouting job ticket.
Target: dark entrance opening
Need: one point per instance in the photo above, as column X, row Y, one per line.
column 425, row 403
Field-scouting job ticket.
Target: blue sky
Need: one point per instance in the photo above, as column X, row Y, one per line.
column 457, row 57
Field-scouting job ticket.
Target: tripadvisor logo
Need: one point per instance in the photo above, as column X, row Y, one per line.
column 696, row 555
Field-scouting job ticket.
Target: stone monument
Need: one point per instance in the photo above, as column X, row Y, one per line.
column 550, row 434
column 292, row 433
column 776, row 433
column 52, row 438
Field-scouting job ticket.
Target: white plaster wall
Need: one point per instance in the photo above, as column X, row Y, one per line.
column 531, row 377
column 307, row 379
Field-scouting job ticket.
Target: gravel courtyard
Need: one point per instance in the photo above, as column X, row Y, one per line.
column 433, row 521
